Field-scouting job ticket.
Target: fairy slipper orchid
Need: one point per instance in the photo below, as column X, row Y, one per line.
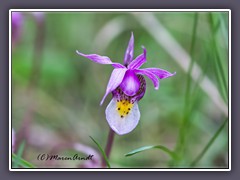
column 128, row 86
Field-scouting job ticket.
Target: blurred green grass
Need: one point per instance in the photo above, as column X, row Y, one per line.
column 71, row 87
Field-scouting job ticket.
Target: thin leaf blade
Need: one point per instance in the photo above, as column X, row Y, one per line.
column 102, row 152
column 209, row 144
column 22, row 162
column 144, row 148
column 19, row 154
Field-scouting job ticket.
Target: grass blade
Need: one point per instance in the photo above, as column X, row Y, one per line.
column 102, row 152
column 181, row 143
column 195, row 22
column 19, row 154
column 224, row 29
column 208, row 144
column 219, row 64
column 144, row 148
column 21, row 162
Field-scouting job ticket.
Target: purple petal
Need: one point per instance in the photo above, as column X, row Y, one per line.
column 129, row 51
column 160, row 72
column 118, row 65
column 130, row 84
column 122, row 125
column 100, row 59
column 150, row 75
column 17, row 22
column 114, row 81
column 139, row 61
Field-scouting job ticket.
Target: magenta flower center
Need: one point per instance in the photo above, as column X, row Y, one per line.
column 130, row 84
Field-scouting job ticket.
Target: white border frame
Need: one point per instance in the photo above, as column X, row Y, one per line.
column 118, row 10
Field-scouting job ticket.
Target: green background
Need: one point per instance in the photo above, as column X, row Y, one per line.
column 65, row 96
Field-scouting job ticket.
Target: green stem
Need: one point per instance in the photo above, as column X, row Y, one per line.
column 108, row 146
column 198, row 158
column 192, row 59
column 187, row 108
column 219, row 65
